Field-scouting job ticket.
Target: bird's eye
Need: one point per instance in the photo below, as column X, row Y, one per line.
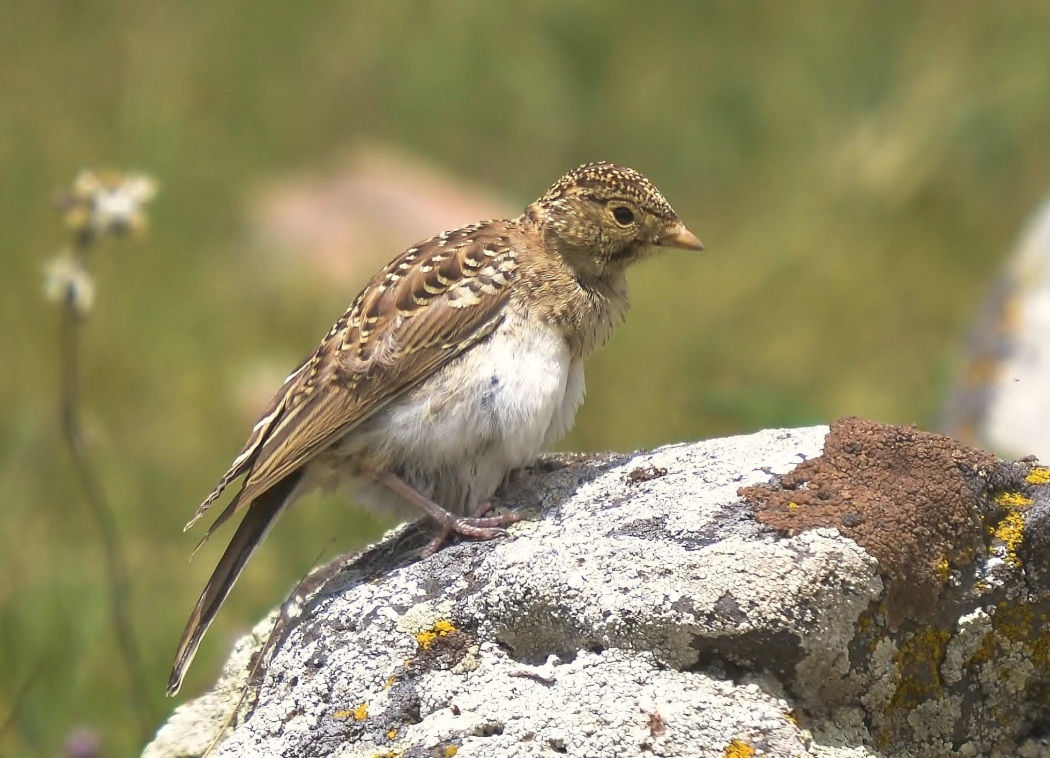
column 623, row 215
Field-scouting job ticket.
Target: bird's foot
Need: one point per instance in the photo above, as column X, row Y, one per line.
column 477, row 527
column 474, row 527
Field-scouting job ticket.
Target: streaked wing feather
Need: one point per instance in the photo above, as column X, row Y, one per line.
column 425, row 308
column 243, row 462
column 305, row 431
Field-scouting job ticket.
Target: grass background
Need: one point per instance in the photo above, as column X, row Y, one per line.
column 858, row 171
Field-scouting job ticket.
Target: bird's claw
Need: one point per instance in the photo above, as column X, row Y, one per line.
column 473, row 527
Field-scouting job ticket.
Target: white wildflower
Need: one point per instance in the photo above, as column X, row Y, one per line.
column 66, row 279
column 108, row 203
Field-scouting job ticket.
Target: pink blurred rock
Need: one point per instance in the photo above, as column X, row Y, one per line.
column 82, row 743
column 373, row 205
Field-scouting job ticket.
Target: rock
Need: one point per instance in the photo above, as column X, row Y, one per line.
column 1000, row 400
column 373, row 203
column 740, row 597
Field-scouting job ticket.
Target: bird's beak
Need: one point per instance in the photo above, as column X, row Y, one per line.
column 680, row 237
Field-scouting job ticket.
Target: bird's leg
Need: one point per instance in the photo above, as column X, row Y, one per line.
column 513, row 476
column 475, row 527
column 483, row 508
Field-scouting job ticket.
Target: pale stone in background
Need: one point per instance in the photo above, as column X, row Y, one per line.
column 1002, row 400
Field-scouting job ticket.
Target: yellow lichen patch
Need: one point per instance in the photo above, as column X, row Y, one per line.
column 1040, row 647
column 1026, row 625
column 361, row 712
column 1012, row 621
column 343, row 714
column 390, row 682
column 1014, row 625
column 792, row 505
column 943, row 569
column 388, row 754
column 426, row 637
column 391, row 734
column 985, row 651
column 451, row 750
column 1013, row 499
column 919, row 660
column 738, row 749
column 1010, row 531
column 1038, row 475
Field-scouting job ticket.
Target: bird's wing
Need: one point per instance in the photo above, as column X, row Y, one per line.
column 427, row 306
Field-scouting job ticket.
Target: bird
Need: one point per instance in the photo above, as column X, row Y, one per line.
column 453, row 368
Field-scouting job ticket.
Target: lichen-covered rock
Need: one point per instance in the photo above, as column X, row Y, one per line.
column 642, row 609
column 963, row 623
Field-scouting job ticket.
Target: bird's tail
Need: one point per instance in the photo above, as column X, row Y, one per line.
column 250, row 533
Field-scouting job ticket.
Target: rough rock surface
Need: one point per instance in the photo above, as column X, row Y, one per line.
column 647, row 608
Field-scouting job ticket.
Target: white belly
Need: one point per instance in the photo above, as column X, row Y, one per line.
column 457, row 436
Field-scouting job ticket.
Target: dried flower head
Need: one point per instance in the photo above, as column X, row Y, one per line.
column 67, row 280
column 100, row 203
column 107, row 202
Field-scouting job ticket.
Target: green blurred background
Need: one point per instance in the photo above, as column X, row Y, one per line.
column 858, row 170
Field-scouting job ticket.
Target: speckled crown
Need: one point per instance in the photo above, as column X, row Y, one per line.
column 607, row 181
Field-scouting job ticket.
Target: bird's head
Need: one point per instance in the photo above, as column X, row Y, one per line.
column 601, row 217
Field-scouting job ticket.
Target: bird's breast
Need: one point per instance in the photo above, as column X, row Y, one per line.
column 503, row 394
column 492, row 409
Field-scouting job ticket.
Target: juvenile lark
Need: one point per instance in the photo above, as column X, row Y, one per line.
column 457, row 364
